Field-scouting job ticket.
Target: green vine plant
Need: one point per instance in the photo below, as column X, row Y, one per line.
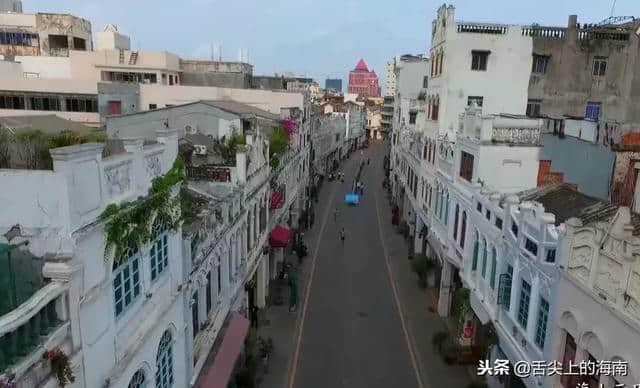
column 461, row 306
column 227, row 147
column 278, row 143
column 131, row 224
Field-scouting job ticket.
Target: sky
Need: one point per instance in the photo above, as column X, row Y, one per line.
column 317, row 38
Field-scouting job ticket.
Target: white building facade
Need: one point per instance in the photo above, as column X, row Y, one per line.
column 598, row 299
column 93, row 302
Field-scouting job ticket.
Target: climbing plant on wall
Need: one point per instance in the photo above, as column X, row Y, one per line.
column 131, row 223
column 278, row 143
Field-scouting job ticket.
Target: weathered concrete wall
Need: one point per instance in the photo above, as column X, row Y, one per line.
column 127, row 94
column 267, row 82
column 222, row 80
column 569, row 83
column 215, row 67
column 58, row 24
column 206, row 119
column 592, row 174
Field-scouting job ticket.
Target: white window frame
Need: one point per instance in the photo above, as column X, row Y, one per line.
column 133, row 256
column 159, row 255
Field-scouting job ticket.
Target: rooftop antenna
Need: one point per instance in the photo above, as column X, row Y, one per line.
column 612, row 7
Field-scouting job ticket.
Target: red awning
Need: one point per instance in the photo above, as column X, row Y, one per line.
column 220, row 373
column 280, row 237
column 276, row 200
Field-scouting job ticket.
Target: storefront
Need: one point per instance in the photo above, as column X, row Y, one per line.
column 225, row 359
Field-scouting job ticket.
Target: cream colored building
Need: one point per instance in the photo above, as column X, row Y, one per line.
column 598, row 299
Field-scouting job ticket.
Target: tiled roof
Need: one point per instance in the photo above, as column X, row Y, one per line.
column 361, row 65
column 241, row 109
column 631, row 139
column 565, row 201
column 49, row 124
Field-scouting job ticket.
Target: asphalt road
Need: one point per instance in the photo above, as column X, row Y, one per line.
column 352, row 335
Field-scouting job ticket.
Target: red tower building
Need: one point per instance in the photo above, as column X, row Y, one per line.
column 364, row 82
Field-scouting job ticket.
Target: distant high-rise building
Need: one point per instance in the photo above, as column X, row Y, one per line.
column 364, row 82
column 390, row 89
column 11, row 6
column 333, row 84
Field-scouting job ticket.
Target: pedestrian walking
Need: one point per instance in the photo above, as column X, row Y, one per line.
column 368, row 161
column 335, row 214
column 254, row 316
column 342, row 235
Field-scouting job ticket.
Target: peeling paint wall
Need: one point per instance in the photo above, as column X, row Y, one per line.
column 70, row 26
column 568, row 83
column 624, row 177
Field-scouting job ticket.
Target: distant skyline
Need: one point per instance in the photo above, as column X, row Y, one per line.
column 321, row 39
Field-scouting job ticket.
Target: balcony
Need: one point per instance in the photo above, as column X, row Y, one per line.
column 278, row 198
column 209, row 173
column 39, row 324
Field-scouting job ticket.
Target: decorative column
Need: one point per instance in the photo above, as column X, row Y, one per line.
column 444, row 301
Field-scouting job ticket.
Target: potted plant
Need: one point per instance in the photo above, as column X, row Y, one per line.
column 438, row 339
column 461, row 306
column 60, row 366
column 8, row 381
column 266, row 348
column 423, row 266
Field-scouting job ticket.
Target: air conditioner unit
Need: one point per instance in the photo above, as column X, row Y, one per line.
column 200, row 150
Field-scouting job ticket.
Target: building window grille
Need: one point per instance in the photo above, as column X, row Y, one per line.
column 479, row 60
column 159, row 253
column 126, row 280
column 541, row 326
column 164, row 362
column 523, row 309
column 540, row 64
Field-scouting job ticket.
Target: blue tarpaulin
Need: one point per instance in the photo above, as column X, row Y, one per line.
column 351, row 198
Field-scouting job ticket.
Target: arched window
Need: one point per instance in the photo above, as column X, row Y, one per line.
column 463, row 229
column 476, row 248
column 484, row 258
column 455, row 223
column 494, row 265
column 164, row 362
column 138, row 380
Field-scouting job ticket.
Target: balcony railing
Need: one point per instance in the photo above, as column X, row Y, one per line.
column 544, row 32
column 516, row 136
column 480, row 28
column 209, row 173
column 59, row 52
column 26, row 328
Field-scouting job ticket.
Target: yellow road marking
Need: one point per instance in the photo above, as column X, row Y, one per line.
column 294, row 362
column 407, row 338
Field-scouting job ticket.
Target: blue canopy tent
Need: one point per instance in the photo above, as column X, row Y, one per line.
column 352, row 199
